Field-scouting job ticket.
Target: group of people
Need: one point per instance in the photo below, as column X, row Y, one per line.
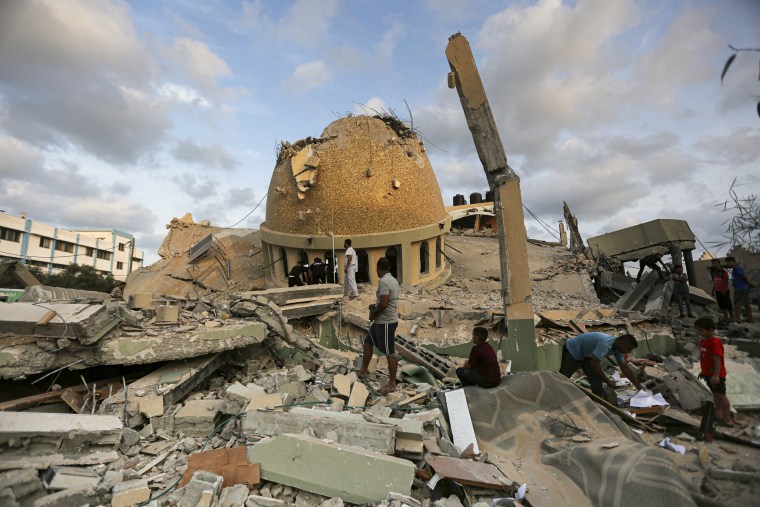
column 721, row 290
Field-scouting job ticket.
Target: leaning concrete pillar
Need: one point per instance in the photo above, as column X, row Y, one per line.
column 675, row 255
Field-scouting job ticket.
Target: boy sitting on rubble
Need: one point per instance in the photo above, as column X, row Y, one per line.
column 713, row 366
column 482, row 367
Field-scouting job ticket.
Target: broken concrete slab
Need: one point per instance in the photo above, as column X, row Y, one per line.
column 68, row 497
column 359, row 394
column 265, row 402
column 20, row 487
column 636, row 292
column 197, row 418
column 342, row 384
column 233, row 496
column 282, row 296
column 469, row 473
column 237, row 397
column 124, row 349
column 39, row 440
column 86, row 323
column 56, row 478
column 299, row 461
column 359, row 433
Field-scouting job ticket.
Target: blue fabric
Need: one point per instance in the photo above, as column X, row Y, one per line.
column 587, row 345
column 739, row 283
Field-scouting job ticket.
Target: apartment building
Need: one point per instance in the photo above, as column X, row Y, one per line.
column 52, row 248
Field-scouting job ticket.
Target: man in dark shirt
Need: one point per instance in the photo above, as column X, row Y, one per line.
column 299, row 275
column 482, row 368
column 650, row 261
column 318, row 271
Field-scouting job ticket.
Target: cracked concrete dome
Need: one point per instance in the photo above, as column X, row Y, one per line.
column 365, row 175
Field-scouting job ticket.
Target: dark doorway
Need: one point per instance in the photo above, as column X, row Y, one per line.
column 438, row 252
column 424, row 257
column 303, row 257
column 331, row 267
column 284, row 257
column 362, row 271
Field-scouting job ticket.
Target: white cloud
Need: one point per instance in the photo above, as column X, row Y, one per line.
column 201, row 66
column 184, row 95
column 309, row 76
column 213, row 155
column 387, row 44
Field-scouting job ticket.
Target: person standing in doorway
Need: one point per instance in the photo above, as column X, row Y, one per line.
column 384, row 320
column 350, row 264
column 720, row 289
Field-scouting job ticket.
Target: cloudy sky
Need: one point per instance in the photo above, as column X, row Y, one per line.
column 126, row 114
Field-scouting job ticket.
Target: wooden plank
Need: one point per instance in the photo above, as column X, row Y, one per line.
column 626, row 417
column 55, row 396
column 50, row 315
column 19, row 340
column 73, row 400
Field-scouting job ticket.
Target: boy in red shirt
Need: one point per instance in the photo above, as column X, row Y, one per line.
column 482, row 368
column 713, row 365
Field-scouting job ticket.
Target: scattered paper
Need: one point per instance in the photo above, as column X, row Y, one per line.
column 620, row 381
column 645, row 399
column 667, row 444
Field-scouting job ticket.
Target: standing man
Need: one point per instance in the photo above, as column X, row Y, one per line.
column 681, row 289
column 482, row 367
column 587, row 351
column 117, row 294
column 384, row 319
column 350, row 264
column 741, row 290
column 650, row 261
column 720, row 289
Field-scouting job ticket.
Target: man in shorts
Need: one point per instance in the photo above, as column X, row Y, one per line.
column 384, row 320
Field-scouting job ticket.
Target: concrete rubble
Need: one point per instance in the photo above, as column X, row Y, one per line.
column 206, row 388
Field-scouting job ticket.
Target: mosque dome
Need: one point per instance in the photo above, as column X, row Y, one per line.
column 364, row 175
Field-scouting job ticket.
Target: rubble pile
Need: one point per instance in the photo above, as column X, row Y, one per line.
column 221, row 394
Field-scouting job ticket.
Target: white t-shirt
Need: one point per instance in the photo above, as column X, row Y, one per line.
column 354, row 262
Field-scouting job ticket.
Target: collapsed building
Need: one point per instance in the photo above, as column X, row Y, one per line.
column 215, row 385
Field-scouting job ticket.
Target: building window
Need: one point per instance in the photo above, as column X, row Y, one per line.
column 121, row 247
column 44, row 242
column 438, row 252
column 331, row 267
column 391, row 253
column 64, row 246
column 424, row 257
column 119, row 265
column 89, row 251
column 102, row 254
column 362, row 268
column 10, row 235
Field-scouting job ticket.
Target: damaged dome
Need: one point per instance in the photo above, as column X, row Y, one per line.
column 365, row 175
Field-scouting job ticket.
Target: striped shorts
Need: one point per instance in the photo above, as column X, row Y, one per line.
column 383, row 336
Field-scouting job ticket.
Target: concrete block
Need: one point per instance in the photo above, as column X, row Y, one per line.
column 69, row 497
column 20, row 487
column 83, row 322
column 237, row 397
column 167, row 313
column 359, row 433
column 359, row 394
column 130, row 493
column 198, row 417
column 342, row 385
column 295, row 389
column 299, row 461
column 317, row 396
column 302, row 374
column 234, row 496
column 266, row 401
column 140, row 301
column 202, row 483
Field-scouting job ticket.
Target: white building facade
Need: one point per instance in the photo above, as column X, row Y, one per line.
column 51, row 248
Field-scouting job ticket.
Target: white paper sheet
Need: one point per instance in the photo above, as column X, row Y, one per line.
column 645, row 399
column 667, row 444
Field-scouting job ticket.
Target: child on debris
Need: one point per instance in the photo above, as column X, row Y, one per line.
column 482, row 367
column 681, row 289
column 720, row 289
column 713, row 365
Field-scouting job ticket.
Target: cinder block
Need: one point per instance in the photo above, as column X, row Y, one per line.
column 140, row 301
column 198, row 417
column 299, row 461
column 167, row 313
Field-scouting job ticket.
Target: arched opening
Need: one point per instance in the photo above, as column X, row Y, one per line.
column 438, row 252
column 331, row 267
column 284, row 258
column 424, row 257
column 391, row 253
column 303, row 257
column 362, row 270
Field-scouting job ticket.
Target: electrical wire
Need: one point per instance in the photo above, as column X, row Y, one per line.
column 249, row 213
column 541, row 222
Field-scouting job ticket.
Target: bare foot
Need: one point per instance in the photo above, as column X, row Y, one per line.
column 389, row 388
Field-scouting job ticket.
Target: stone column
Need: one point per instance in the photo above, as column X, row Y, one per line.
column 688, row 261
